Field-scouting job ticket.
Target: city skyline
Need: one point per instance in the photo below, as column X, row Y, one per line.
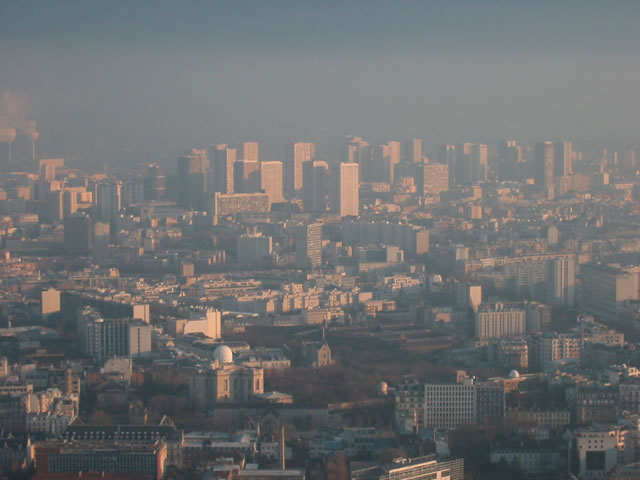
column 441, row 71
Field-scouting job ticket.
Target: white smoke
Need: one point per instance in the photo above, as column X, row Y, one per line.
column 14, row 117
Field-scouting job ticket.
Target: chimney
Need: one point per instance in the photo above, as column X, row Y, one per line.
column 283, row 449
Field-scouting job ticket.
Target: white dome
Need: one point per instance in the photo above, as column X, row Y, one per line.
column 514, row 374
column 223, row 354
column 383, row 388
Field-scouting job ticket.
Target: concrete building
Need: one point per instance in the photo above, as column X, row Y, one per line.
column 297, row 155
column 499, row 320
column 271, row 181
column 49, row 302
column 432, row 178
column 345, row 195
column 232, row 204
column 316, row 186
column 52, row 459
column 255, row 248
column 421, row 468
column 102, row 338
column 562, row 282
column 308, row 246
column 224, row 159
column 78, row 234
column 604, row 289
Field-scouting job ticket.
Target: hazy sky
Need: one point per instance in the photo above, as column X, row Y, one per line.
column 135, row 76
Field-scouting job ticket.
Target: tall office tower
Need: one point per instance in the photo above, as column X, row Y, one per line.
column 432, row 178
column 308, row 240
column 271, row 180
column 192, row 179
column 109, row 200
column 296, row 155
column 345, row 195
column 379, row 168
column 462, row 172
column 246, row 176
column 447, row 156
column 55, row 204
column 249, row 151
column 70, row 202
column 224, row 158
column 562, row 282
column 356, row 150
column 316, row 186
column 413, row 150
column 394, row 151
column 154, row 183
column 479, row 163
column 78, row 234
column 563, row 159
column 132, row 191
column 511, row 161
column 544, row 157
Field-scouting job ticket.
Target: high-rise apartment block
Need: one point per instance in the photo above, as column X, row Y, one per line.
column 102, row 338
column 308, row 246
column 271, row 180
column 345, row 179
column 432, row 178
column 296, row 156
column 544, row 165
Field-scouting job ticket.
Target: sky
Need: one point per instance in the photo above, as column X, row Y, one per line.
column 124, row 79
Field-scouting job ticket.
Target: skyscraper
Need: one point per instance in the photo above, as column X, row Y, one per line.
column 271, row 180
column 191, row 179
column 562, row 282
column 544, row 159
column 109, row 200
column 223, row 168
column 154, row 183
column 297, row 154
column 316, row 176
column 432, row 178
column 78, row 234
column 479, row 163
column 345, row 179
column 462, row 172
column 308, row 246
column 249, row 151
column 246, row 176
column 563, row 159
column 394, row 151
column 413, row 150
column 356, row 150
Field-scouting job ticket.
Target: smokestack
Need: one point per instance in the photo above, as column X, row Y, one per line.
column 283, row 448
column 33, row 151
column 9, row 161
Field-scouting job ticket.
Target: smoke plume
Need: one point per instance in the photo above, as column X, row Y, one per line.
column 14, row 117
